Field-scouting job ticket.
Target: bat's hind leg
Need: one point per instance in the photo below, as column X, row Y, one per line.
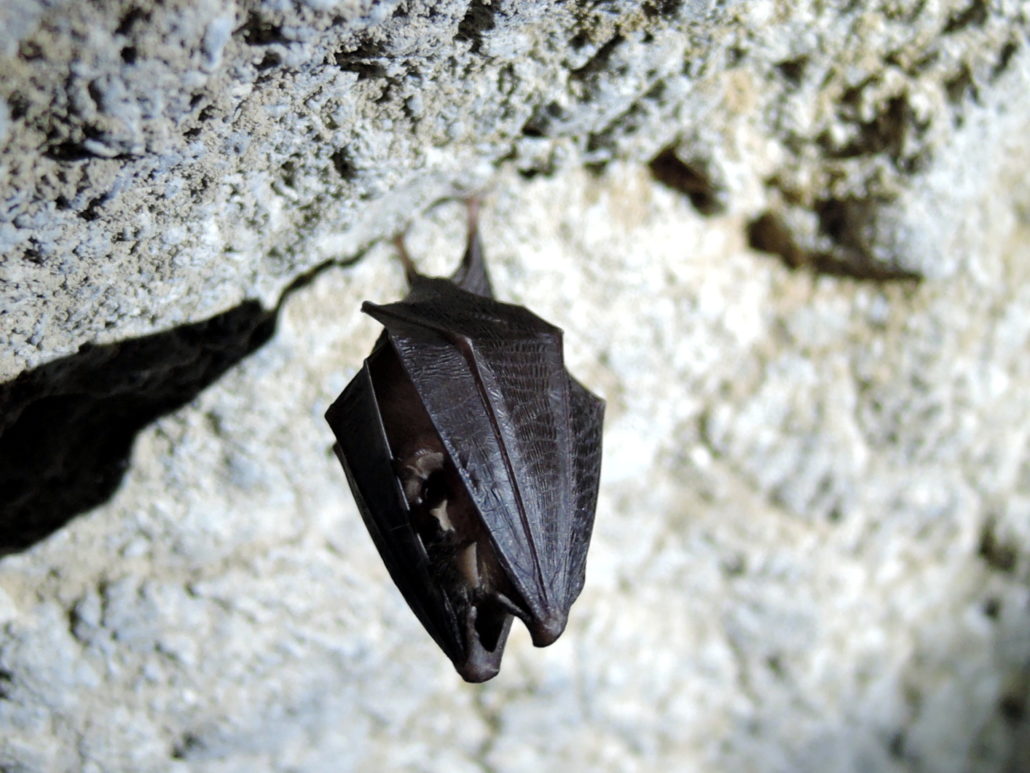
column 402, row 251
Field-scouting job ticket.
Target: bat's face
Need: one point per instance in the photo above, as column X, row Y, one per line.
column 474, row 458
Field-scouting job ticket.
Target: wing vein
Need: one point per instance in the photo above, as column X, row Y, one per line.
column 468, row 352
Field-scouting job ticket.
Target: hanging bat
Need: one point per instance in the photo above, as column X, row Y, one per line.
column 474, row 457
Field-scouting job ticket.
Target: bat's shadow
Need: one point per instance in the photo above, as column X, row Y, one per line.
column 67, row 427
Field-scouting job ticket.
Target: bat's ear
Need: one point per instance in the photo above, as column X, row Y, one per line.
column 471, row 274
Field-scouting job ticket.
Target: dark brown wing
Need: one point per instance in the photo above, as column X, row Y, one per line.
column 587, row 424
column 493, row 381
column 363, row 449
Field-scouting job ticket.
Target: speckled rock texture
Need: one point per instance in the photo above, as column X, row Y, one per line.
column 788, row 242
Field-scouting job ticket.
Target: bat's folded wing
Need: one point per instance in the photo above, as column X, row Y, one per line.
column 365, row 453
column 587, row 417
column 492, row 379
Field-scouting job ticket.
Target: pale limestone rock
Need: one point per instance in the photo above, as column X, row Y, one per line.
column 810, row 550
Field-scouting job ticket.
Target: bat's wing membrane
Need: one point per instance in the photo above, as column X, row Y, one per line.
column 587, row 420
column 362, row 447
column 517, row 436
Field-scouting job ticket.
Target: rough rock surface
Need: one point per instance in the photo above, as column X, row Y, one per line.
column 789, row 242
column 164, row 161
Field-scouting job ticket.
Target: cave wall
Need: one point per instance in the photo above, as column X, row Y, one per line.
column 787, row 242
